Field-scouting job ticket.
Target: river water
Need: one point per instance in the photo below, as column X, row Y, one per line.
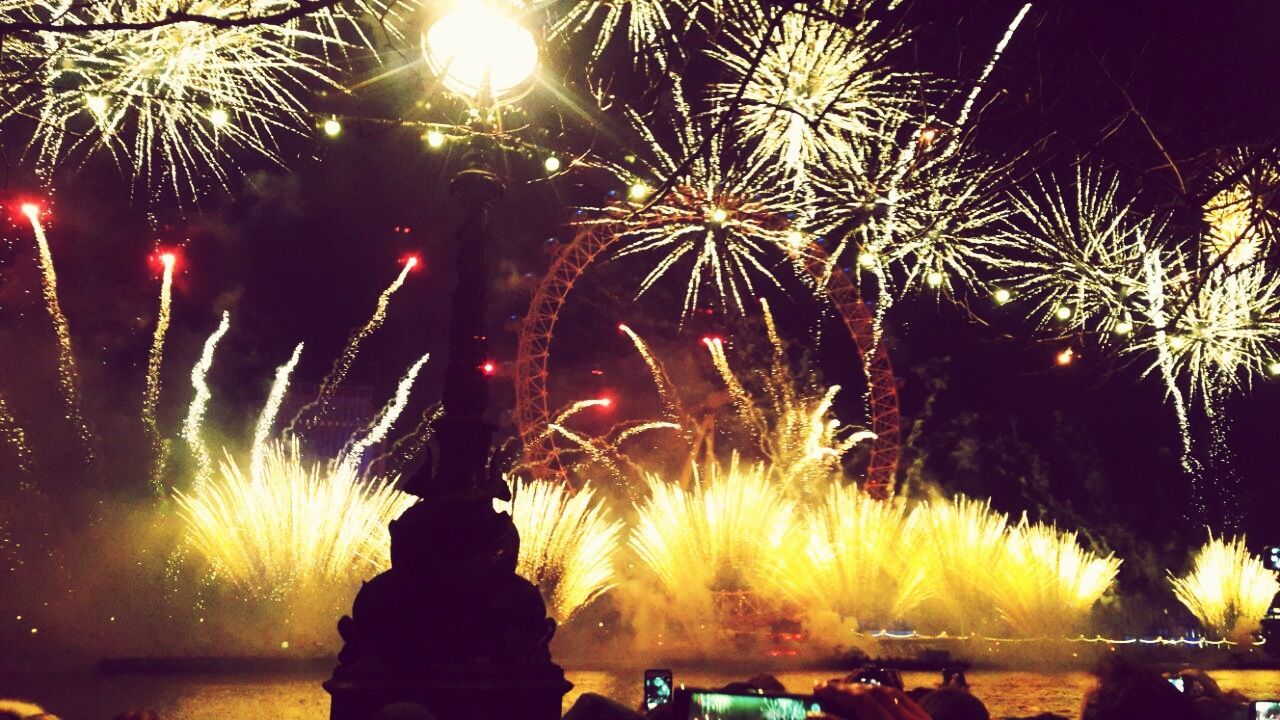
column 91, row 696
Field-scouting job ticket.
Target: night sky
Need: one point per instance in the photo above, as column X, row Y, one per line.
column 301, row 254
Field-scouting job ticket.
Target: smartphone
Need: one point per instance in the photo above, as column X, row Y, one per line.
column 657, row 688
column 1178, row 683
column 887, row 677
column 694, row 704
column 1266, row 710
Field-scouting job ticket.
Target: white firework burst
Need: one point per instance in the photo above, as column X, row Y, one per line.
column 820, row 89
column 177, row 104
column 720, row 217
column 919, row 216
column 1243, row 216
column 1078, row 254
column 1221, row 330
column 648, row 25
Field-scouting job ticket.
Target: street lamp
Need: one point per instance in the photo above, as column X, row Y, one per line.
column 450, row 625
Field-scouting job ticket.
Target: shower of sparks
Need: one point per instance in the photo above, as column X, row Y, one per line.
column 1243, row 217
column 1079, row 255
column 312, row 411
column 722, row 535
column 382, row 425
column 193, row 425
column 181, row 104
column 12, row 433
column 721, row 219
column 1228, row 590
column 1229, row 333
column 861, row 560
column 151, row 395
column 963, row 118
column 289, row 526
column 796, row 430
column 819, row 90
column 267, row 420
column 405, row 449
column 568, row 543
column 68, row 377
column 647, row 24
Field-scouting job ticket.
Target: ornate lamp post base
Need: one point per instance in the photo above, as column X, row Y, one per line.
column 451, row 626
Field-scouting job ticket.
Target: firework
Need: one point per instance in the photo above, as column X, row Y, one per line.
column 151, row 396
column 862, row 560
column 267, row 420
column 1081, row 255
column 13, row 434
column 671, row 409
column 819, row 90
column 342, row 364
column 1048, row 583
column 1228, row 590
column 1224, row 330
column 288, row 526
column 647, row 24
column 962, row 544
column 720, row 218
column 68, row 377
column 725, row 535
column 795, row 431
column 386, row 418
column 192, row 426
column 179, row 103
column 1243, row 217
column 567, row 543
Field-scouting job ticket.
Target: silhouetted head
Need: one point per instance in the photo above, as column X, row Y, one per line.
column 1129, row 692
column 952, row 703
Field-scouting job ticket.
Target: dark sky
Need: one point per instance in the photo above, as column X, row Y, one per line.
column 301, row 254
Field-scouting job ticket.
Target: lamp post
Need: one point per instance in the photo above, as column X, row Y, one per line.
column 451, row 626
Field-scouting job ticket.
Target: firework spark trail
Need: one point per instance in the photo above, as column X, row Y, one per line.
column 382, row 425
column 68, row 377
column 267, row 420
column 14, row 434
column 1164, row 360
column 666, row 391
column 991, row 64
column 151, row 396
column 192, row 426
column 342, row 364
column 1228, row 590
column 411, row 443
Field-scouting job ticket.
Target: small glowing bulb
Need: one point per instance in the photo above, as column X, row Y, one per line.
column 35, row 630
column 552, row 164
column 638, row 191
column 1274, row 368
column 332, row 127
column 1066, row 356
column 284, row 645
column 719, row 215
column 97, row 104
column 1124, row 327
column 489, row 367
column 867, row 259
column 435, row 139
column 218, row 117
column 934, row 279
column 1063, row 312
column 1003, row 296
